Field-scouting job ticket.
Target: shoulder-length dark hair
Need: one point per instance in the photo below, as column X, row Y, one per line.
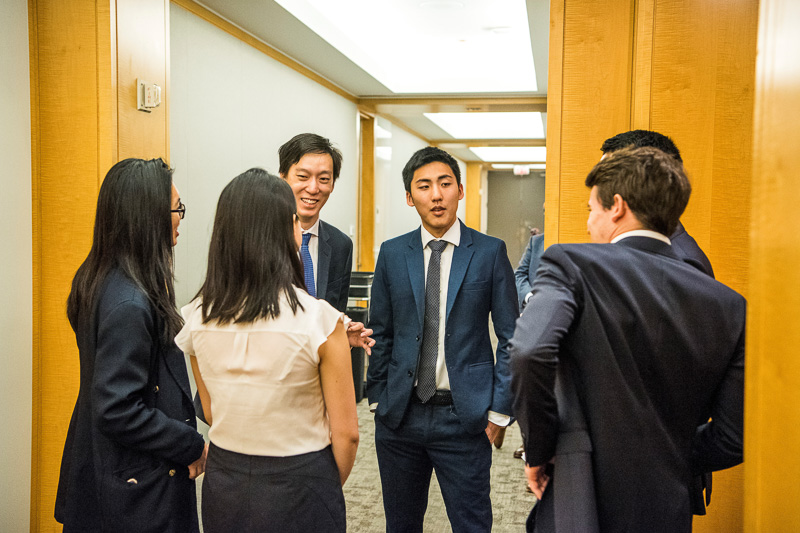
column 253, row 257
column 132, row 232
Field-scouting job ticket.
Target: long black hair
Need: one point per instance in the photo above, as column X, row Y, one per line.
column 253, row 257
column 132, row 232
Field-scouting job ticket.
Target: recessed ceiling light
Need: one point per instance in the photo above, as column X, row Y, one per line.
column 442, row 4
column 510, row 166
column 428, row 46
column 511, row 153
column 516, row 125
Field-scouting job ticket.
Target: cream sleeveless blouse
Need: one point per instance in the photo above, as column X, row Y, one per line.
column 263, row 378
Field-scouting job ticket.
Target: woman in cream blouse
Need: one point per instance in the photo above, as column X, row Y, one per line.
column 273, row 372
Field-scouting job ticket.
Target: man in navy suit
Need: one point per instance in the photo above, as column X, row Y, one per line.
column 628, row 363
column 310, row 164
column 683, row 244
column 439, row 393
column 686, row 248
column 525, row 272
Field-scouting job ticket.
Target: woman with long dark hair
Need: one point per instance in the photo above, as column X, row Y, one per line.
column 132, row 449
column 273, row 372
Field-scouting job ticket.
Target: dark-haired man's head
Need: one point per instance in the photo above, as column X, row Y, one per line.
column 310, row 164
column 433, row 187
column 644, row 182
column 640, row 139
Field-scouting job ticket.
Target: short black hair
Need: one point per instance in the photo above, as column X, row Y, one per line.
column 653, row 184
column 252, row 261
column 307, row 143
column 639, row 139
column 425, row 156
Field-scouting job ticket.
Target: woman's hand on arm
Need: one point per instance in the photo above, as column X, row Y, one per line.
column 336, row 377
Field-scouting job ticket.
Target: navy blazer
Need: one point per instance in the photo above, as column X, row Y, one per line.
column 481, row 283
column 334, row 263
column 525, row 272
column 133, row 420
column 686, row 248
column 655, row 348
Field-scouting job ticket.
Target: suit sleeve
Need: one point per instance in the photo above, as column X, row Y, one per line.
column 521, row 274
column 341, row 303
column 504, row 313
column 381, row 322
column 534, row 357
column 718, row 444
column 125, row 338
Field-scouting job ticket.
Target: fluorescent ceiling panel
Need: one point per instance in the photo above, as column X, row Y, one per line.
column 429, row 46
column 490, row 125
column 510, row 166
column 511, row 153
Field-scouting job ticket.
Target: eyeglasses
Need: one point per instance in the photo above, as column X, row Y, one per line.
column 181, row 210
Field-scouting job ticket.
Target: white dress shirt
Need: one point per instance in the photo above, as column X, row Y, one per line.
column 642, row 233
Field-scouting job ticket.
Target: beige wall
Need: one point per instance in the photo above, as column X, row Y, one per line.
column 15, row 264
column 772, row 395
column 685, row 69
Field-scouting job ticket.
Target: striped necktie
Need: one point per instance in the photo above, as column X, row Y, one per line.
column 426, row 368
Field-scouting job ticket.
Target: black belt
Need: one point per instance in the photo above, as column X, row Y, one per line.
column 440, row 397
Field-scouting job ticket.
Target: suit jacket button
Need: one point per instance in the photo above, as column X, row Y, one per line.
column 171, row 472
column 155, row 389
column 417, row 338
column 410, row 374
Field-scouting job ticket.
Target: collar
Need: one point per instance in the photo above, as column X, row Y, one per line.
column 313, row 230
column 642, row 233
column 453, row 235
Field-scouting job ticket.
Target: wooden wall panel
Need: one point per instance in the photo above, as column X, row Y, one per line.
column 75, row 140
column 772, row 395
column 142, row 36
column 366, row 196
column 66, row 151
column 704, row 102
column 472, row 193
column 593, row 73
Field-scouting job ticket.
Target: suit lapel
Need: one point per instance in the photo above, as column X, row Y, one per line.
column 462, row 254
column 323, row 261
column 415, row 263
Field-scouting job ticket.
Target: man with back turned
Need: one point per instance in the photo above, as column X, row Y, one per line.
column 622, row 356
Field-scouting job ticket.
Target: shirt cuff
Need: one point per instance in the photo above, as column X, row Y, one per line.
column 528, row 297
column 498, row 419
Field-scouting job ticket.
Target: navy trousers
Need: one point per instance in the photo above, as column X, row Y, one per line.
column 431, row 438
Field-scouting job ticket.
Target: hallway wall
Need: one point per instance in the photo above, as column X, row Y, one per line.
column 394, row 217
column 15, row 264
column 231, row 108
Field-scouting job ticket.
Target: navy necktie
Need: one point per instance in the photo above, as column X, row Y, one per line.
column 426, row 368
column 308, row 266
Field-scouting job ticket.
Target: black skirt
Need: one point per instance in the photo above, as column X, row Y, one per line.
column 249, row 493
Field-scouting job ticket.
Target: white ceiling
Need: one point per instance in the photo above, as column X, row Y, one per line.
column 424, row 31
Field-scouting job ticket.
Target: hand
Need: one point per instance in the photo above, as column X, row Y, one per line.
column 537, row 479
column 199, row 466
column 359, row 336
column 492, row 430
